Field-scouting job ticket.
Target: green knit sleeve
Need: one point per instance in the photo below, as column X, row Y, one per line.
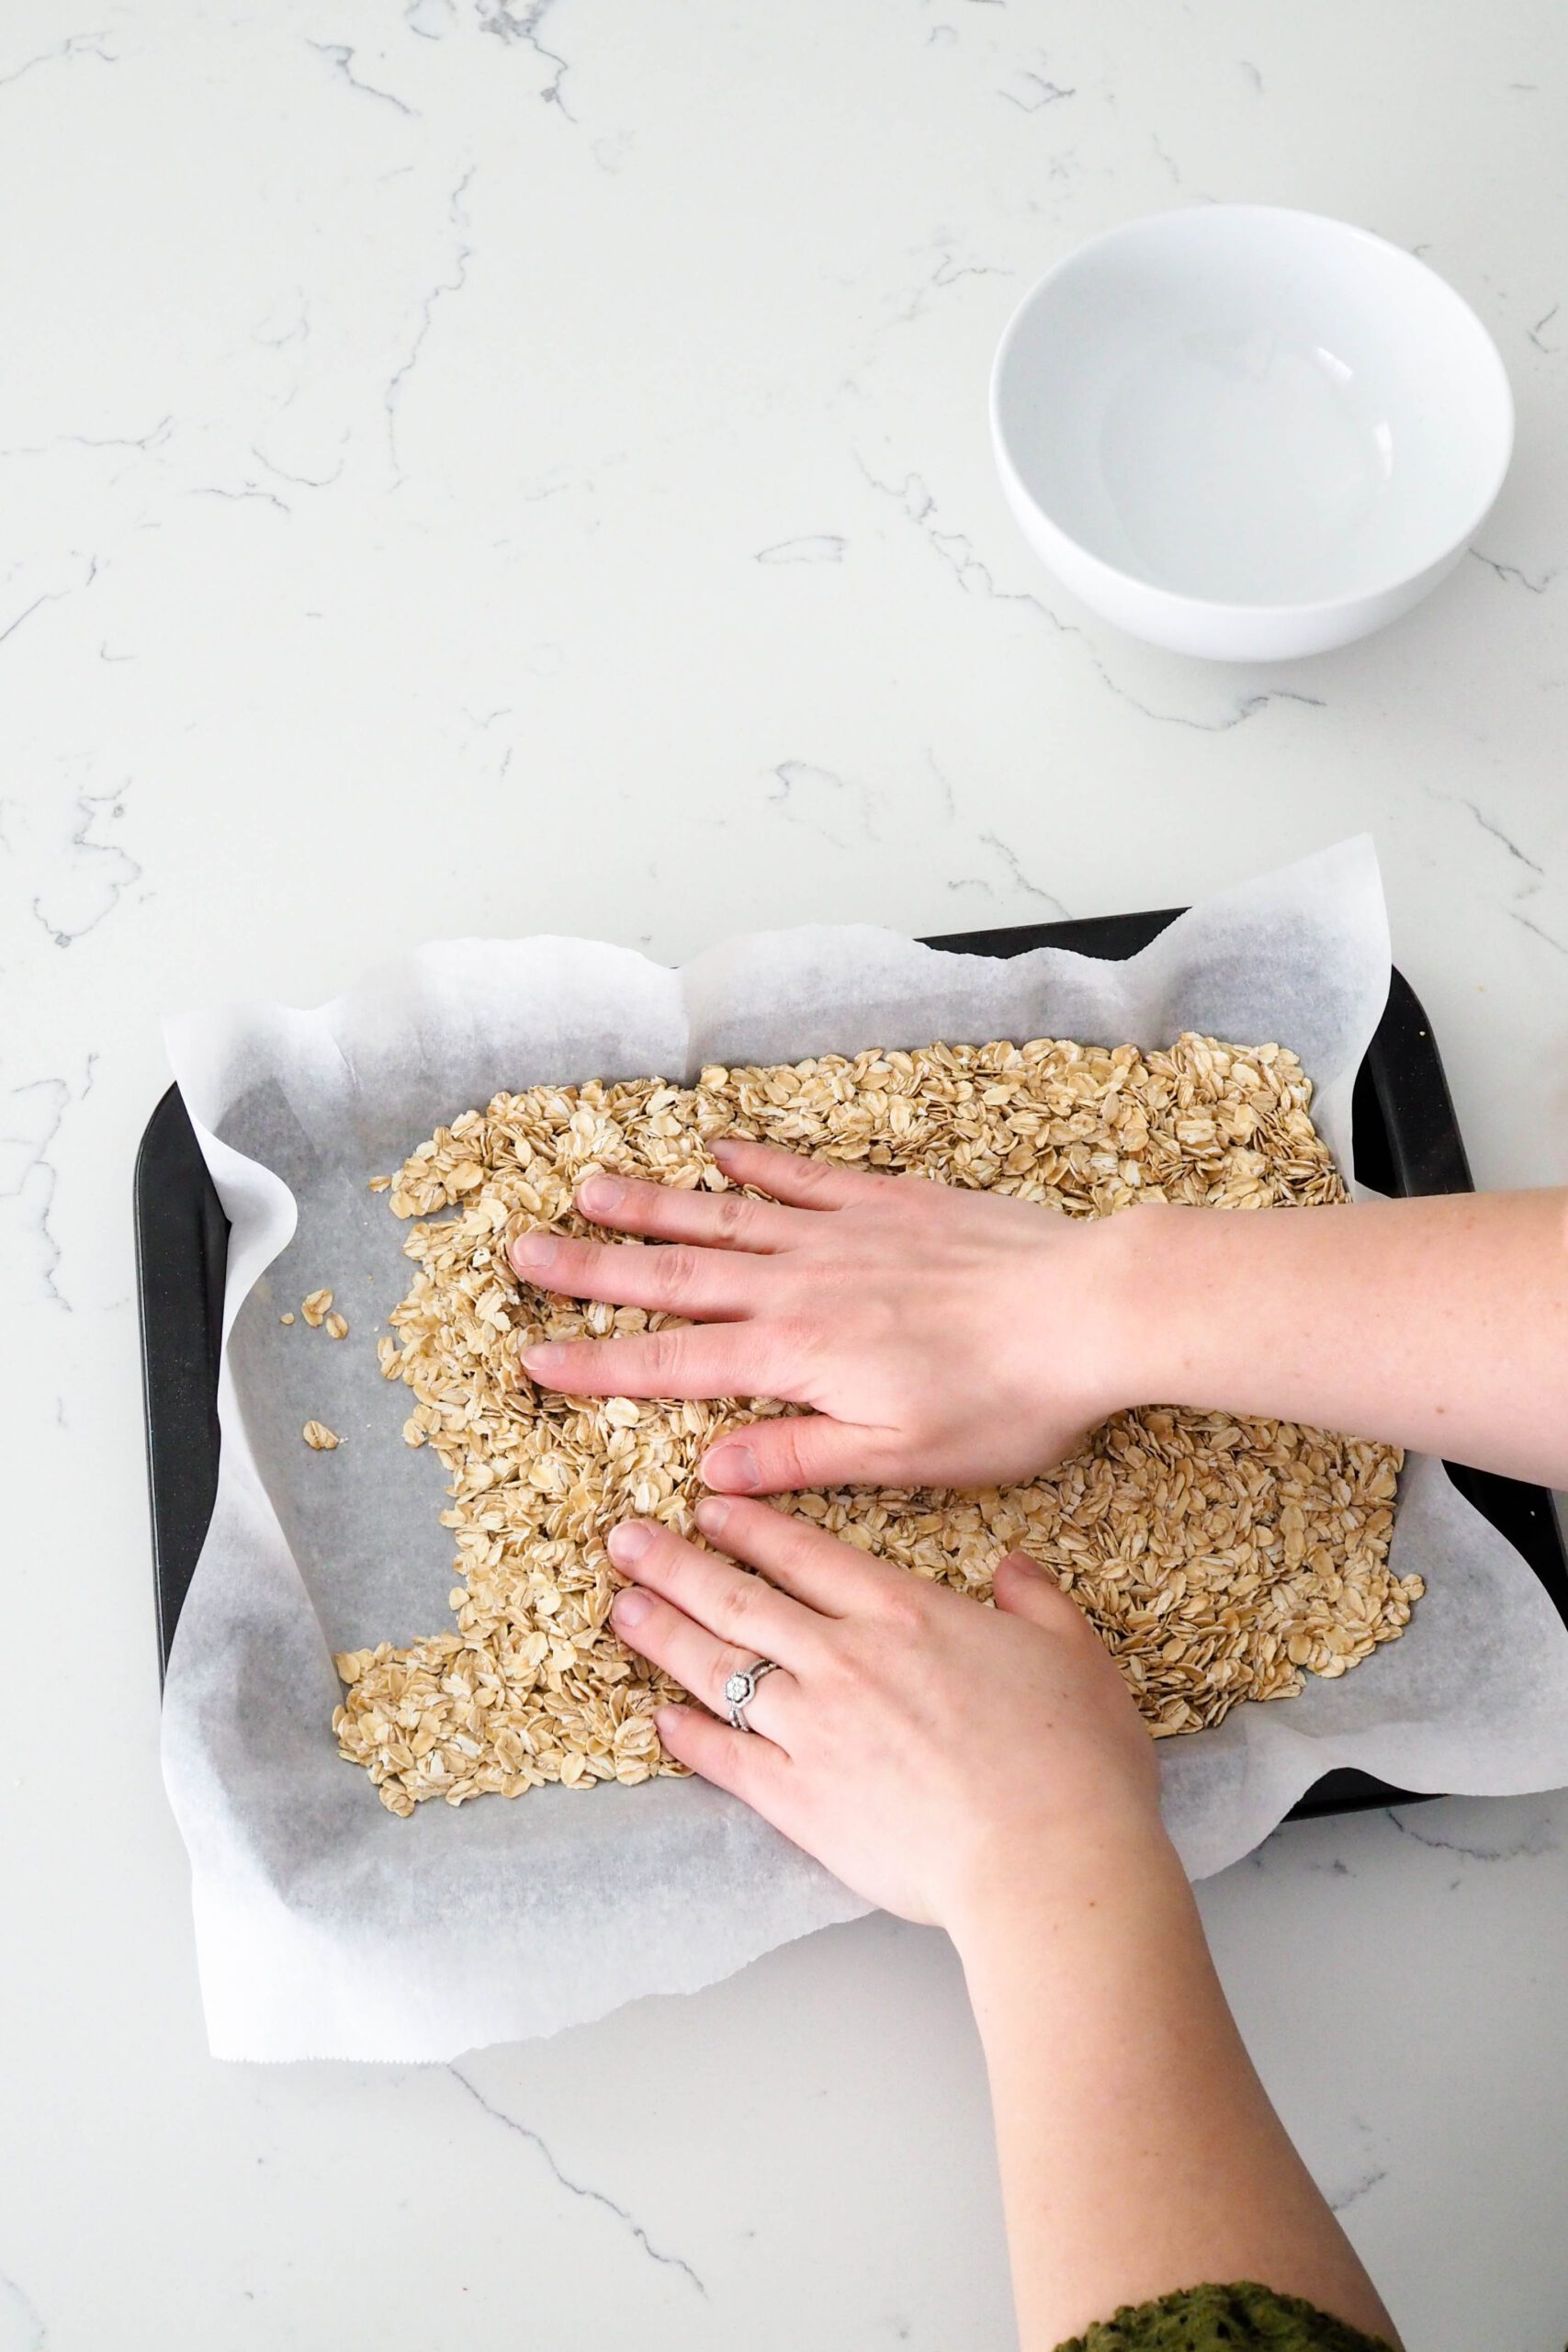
column 1241, row 2318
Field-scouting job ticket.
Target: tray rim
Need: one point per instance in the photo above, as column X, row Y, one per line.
column 180, row 1321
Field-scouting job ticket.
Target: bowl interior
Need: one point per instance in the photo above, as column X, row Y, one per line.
column 1253, row 407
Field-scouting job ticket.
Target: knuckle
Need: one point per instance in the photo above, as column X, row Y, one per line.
column 581, row 1268
column 639, row 1203
column 789, row 1460
column 660, row 1354
column 816, row 1175
column 733, row 1215
column 901, row 1606
column 669, row 1553
column 734, row 1606
column 670, row 1270
column 775, row 1446
column 638, row 1208
column 672, row 1561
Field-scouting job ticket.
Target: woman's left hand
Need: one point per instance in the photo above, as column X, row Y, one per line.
column 931, row 1752
column 942, row 1336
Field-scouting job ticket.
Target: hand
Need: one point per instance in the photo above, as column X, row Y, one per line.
column 935, row 1755
column 944, row 1337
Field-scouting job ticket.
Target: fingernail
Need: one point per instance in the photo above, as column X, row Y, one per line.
column 541, row 1358
column 712, row 1512
column 733, row 1467
column 600, row 1194
column 629, row 1540
column 629, row 1608
column 665, row 1718
column 532, row 1252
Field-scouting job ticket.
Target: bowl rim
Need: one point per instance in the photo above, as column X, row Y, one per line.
column 1180, row 599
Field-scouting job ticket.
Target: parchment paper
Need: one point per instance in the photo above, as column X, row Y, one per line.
column 328, row 1928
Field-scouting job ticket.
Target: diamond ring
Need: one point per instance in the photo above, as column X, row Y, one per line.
column 739, row 1688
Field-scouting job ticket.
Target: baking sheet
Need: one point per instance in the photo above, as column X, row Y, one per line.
column 328, row 1928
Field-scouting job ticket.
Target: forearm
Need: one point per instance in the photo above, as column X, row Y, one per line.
column 1138, row 2152
column 1439, row 1324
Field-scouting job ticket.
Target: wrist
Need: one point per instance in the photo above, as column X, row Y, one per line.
column 1131, row 1315
column 1046, row 1896
column 1160, row 1297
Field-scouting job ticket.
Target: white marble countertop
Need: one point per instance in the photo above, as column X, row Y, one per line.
column 469, row 468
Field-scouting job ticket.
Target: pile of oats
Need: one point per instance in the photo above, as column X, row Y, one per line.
column 1219, row 1558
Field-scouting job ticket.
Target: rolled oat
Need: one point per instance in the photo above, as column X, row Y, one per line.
column 1218, row 1558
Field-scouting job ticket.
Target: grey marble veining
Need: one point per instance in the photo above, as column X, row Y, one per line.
column 579, row 2189
column 488, row 465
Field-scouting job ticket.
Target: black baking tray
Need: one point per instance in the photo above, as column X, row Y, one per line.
column 1406, row 1141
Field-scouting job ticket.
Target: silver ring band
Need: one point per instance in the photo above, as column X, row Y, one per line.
column 741, row 1689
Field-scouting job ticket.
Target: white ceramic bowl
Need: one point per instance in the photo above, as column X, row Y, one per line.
column 1246, row 432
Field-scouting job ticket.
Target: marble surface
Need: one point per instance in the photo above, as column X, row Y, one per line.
column 472, row 465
